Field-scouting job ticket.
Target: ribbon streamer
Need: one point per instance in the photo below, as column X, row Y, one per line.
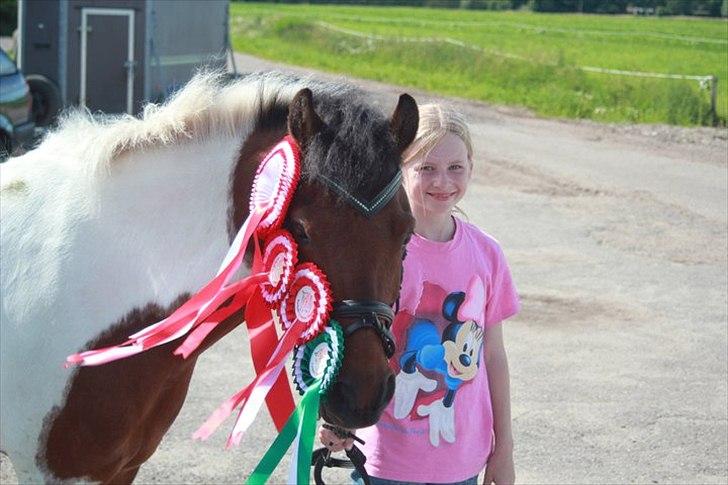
column 273, row 187
column 310, row 299
column 301, row 426
column 316, row 364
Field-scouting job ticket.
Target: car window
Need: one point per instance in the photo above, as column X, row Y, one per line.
column 6, row 65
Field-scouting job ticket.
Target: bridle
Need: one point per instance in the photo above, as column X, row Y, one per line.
column 367, row 313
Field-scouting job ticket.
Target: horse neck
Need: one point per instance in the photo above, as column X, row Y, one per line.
column 147, row 228
column 177, row 200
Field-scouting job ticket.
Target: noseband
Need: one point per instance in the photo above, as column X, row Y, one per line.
column 367, row 314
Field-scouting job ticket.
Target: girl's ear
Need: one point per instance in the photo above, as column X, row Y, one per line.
column 404, row 121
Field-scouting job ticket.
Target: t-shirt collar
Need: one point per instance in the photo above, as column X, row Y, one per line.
column 427, row 245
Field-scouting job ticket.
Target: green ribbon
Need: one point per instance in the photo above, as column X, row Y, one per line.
column 302, row 423
column 304, row 417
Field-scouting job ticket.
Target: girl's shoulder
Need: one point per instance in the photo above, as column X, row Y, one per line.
column 475, row 235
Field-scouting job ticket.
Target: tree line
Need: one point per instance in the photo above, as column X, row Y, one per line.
column 703, row 8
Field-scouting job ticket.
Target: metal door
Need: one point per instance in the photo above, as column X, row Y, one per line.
column 107, row 59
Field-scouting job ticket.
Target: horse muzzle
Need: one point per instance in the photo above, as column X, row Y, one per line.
column 341, row 406
column 362, row 390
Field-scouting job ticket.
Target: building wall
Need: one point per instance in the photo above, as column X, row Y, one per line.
column 184, row 35
column 172, row 40
column 41, row 43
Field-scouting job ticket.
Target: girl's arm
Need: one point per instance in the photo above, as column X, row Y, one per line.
column 500, row 468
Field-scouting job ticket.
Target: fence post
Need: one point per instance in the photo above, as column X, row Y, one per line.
column 714, row 98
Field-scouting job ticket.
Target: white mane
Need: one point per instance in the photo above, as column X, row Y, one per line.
column 204, row 108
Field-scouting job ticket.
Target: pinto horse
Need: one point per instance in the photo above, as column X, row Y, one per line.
column 110, row 224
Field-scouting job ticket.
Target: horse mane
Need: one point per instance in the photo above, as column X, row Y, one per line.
column 352, row 149
column 207, row 106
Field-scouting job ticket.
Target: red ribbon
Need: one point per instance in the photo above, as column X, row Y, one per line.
column 302, row 319
column 273, row 188
column 193, row 312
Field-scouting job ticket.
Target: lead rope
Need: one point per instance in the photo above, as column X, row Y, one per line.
column 322, row 457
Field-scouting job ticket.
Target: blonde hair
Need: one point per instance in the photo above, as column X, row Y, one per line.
column 436, row 121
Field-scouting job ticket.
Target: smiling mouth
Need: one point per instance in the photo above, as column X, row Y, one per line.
column 441, row 196
column 454, row 371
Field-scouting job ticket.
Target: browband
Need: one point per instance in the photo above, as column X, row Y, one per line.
column 375, row 205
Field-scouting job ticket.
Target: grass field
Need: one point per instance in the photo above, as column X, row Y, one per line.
column 514, row 58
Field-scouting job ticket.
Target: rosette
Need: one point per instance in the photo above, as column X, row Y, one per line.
column 319, row 360
column 315, row 367
column 275, row 183
column 273, row 188
column 279, row 259
column 308, row 301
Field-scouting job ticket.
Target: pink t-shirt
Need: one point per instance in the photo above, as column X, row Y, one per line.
column 439, row 425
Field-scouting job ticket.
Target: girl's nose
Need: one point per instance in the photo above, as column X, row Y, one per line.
column 440, row 180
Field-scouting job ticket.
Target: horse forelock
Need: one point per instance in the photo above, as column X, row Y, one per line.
column 355, row 148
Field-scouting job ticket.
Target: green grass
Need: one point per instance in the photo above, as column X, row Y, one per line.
column 516, row 58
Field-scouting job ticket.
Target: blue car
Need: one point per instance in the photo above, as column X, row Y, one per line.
column 17, row 128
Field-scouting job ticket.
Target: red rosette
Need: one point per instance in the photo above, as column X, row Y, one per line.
column 280, row 256
column 275, row 183
column 308, row 301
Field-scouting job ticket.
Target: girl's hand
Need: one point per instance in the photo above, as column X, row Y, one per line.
column 500, row 468
column 334, row 443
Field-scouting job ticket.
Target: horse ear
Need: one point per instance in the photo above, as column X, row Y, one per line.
column 303, row 122
column 404, row 121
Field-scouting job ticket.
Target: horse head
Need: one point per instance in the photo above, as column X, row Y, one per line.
column 350, row 216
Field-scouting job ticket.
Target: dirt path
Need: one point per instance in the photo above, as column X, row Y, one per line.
column 617, row 237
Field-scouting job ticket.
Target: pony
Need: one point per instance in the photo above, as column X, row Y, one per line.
column 111, row 223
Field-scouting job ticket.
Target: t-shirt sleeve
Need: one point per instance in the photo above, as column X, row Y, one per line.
column 502, row 302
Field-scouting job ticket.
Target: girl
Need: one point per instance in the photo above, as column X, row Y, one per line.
column 450, row 415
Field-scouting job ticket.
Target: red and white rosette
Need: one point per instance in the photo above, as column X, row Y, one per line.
column 275, row 183
column 280, row 256
column 308, row 301
column 273, row 188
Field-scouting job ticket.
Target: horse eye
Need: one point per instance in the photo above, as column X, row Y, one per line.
column 298, row 230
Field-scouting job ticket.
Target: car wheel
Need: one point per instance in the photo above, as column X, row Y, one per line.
column 46, row 99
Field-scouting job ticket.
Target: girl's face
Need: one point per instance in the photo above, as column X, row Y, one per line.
column 436, row 183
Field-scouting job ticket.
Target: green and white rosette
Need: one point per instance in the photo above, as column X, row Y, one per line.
column 315, row 367
column 318, row 360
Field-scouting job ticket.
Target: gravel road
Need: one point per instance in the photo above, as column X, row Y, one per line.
column 617, row 236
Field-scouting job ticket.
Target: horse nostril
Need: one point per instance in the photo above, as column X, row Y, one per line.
column 346, row 391
column 464, row 359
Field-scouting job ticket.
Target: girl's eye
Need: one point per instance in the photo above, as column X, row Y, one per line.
column 456, row 166
column 424, row 168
